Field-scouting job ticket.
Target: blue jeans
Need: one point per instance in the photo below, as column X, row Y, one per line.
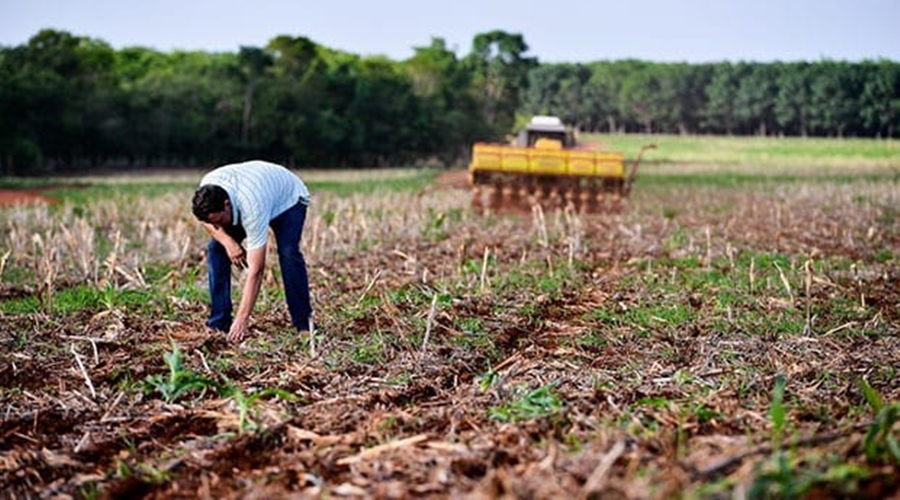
column 288, row 229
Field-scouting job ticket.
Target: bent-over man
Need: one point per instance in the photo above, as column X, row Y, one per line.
column 240, row 202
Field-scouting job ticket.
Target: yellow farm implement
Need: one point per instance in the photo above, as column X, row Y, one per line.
column 544, row 171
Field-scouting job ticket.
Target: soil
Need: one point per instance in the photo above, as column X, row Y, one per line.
column 378, row 409
column 10, row 197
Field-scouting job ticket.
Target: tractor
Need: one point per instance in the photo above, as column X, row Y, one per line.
column 544, row 166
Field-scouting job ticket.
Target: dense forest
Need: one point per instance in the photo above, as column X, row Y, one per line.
column 73, row 103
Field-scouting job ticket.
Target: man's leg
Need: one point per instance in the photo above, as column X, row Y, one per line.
column 288, row 229
column 219, row 266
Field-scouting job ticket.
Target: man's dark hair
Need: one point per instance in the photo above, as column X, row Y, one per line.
column 209, row 199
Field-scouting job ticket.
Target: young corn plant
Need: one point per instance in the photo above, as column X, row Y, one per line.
column 246, row 403
column 782, row 479
column 775, row 475
column 881, row 443
column 179, row 381
column 778, row 413
column 539, row 403
column 488, row 380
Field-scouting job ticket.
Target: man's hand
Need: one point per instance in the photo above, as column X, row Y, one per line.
column 237, row 331
column 256, row 262
column 235, row 251
column 237, row 254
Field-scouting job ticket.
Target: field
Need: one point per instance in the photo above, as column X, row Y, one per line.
column 733, row 332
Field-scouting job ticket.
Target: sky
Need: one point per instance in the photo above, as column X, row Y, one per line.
column 692, row 31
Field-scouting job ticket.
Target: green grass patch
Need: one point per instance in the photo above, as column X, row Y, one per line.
column 761, row 152
column 83, row 191
column 78, row 298
column 538, row 403
column 740, row 180
column 412, row 183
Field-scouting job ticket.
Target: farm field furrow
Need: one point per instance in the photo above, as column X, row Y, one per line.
column 724, row 334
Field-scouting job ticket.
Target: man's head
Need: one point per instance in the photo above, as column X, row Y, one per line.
column 211, row 205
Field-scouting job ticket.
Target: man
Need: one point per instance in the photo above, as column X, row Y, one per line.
column 241, row 201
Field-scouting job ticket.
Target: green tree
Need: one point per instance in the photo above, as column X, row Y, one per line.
column 21, row 92
column 641, row 98
column 793, row 102
column 720, row 115
column 691, row 84
column 754, row 104
column 388, row 113
column 178, row 110
column 677, row 97
column 43, row 76
column 448, row 110
column 72, row 102
column 289, row 103
column 879, row 102
column 252, row 65
column 559, row 90
column 604, row 91
column 499, row 70
column 833, row 98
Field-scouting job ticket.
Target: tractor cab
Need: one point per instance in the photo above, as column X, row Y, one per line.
column 544, row 130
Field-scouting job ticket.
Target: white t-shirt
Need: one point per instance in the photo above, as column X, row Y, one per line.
column 259, row 191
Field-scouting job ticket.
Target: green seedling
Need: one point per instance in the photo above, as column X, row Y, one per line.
column 179, row 381
column 487, row 380
column 246, row 402
column 779, row 479
column 881, row 443
column 777, row 413
column 153, row 474
column 89, row 491
column 539, row 403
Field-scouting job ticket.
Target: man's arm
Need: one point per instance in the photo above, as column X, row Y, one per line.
column 256, row 260
column 235, row 251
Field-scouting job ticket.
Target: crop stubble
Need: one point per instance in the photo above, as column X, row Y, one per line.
column 651, row 405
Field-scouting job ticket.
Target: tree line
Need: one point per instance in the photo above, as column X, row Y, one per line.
column 824, row 98
column 73, row 103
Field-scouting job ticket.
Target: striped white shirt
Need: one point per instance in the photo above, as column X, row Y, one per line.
column 259, row 191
